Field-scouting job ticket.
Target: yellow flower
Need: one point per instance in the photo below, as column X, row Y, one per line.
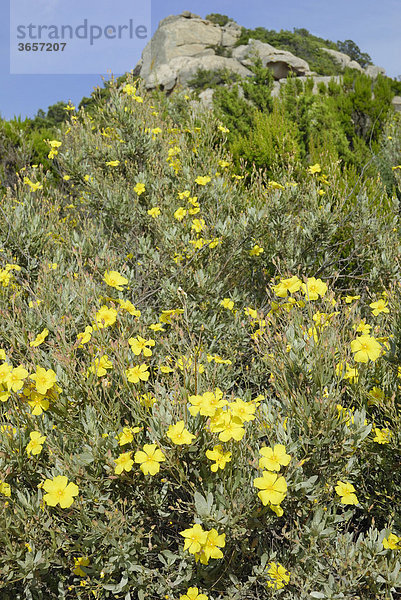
column 193, row 594
column 129, row 89
column 40, row 338
column 105, row 317
column 256, row 250
column 130, row 308
column 156, row 327
column 139, row 344
column 5, row 489
column 37, row 185
column 224, row 164
column 314, row 288
column 43, row 379
column 218, row 359
column 59, row 491
column 124, row 462
column 275, row 186
column 14, row 378
column 100, row 365
column 203, row 180
column 250, row 312
column 139, row 188
column 179, row 435
column 32, row 304
column 379, row 307
column 273, row 488
column 195, row 206
column 9, row 430
column 138, row 373
column 278, row 576
column 112, row 163
column 5, row 277
column 376, row 396
column 149, row 459
column 195, row 538
column 314, row 169
column 346, row 493
column 277, row 510
column 223, row 129
column 36, row 444
column 10, row 267
column 227, row 426
column 349, row 299
column 127, row 435
column 81, row 561
column 273, row 458
column 351, row 374
column 115, row 280
column 180, row 213
column 198, row 225
column 53, row 144
column 220, row 457
column 207, row 403
column 211, row 548
column 147, row 400
column 167, row 315
column 227, row 303
column 366, row 348
column 382, row 436
column 362, row 327
column 154, row 212
column 38, row 403
column 245, row 411
column 85, row 337
column 392, row 542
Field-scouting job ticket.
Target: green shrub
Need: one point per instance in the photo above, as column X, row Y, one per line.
column 218, row 19
column 349, row 47
column 211, row 79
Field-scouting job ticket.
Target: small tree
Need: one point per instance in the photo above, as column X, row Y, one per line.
column 218, row 19
column 349, row 47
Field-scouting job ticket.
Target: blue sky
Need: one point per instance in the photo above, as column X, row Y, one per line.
column 374, row 26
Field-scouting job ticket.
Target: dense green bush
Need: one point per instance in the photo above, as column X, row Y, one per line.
column 218, row 19
column 346, row 117
column 22, row 143
column 211, row 79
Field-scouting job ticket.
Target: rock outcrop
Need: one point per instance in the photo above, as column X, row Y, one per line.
column 181, row 45
column 185, row 43
column 181, row 69
column 343, row 59
column 280, row 62
column 397, row 103
column 373, row 71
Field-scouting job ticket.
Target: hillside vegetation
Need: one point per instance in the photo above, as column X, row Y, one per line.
column 200, row 347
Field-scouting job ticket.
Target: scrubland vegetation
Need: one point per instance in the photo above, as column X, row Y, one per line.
column 200, row 361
